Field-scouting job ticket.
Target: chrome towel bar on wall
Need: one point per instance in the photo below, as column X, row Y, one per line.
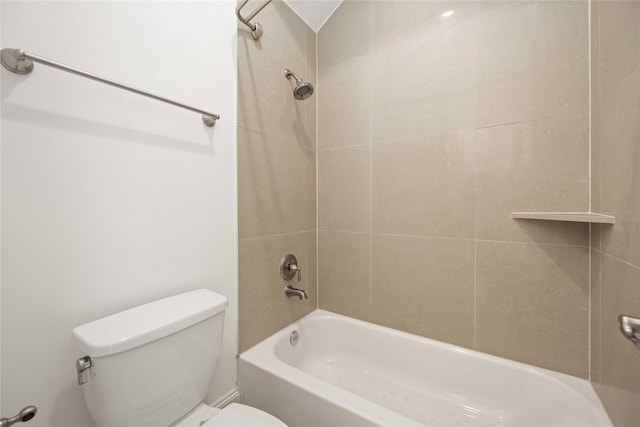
column 20, row 62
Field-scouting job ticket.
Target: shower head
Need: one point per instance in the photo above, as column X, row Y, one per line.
column 27, row 413
column 303, row 90
column 23, row 416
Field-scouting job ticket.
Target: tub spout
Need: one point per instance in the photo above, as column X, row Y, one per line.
column 294, row 292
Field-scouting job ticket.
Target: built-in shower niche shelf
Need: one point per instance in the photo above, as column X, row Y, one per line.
column 566, row 216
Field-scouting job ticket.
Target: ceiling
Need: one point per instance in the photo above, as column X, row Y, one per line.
column 314, row 12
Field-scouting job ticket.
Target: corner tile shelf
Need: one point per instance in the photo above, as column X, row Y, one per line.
column 566, row 216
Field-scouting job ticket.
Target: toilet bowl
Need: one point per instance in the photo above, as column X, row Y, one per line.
column 153, row 364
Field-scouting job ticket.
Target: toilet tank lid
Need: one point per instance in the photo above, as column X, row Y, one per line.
column 145, row 323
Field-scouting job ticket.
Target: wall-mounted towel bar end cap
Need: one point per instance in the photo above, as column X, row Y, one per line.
column 15, row 61
column 210, row 120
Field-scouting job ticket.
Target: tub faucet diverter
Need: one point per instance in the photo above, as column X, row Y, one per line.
column 288, row 268
column 294, row 292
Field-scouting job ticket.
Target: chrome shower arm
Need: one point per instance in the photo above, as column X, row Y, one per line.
column 256, row 29
column 288, row 74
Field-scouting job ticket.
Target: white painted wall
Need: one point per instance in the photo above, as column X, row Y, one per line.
column 109, row 199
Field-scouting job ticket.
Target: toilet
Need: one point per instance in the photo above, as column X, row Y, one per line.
column 152, row 365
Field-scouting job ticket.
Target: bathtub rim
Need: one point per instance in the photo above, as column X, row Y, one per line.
column 263, row 355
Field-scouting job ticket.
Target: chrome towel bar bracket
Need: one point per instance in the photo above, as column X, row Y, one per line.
column 20, row 62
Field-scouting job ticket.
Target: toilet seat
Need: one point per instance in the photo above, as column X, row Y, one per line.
column 232, row 415
column 237, row 415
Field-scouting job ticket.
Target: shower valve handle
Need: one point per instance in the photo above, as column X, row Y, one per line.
column 294, row 268
column 289, row 267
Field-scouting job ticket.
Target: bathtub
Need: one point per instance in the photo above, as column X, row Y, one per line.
column 346, row 372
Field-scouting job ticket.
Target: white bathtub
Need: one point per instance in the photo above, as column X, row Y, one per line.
column 345, row 372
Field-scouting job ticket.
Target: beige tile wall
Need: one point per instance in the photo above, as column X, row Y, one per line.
column 616, row 191
column 431, row 131
column 276, row 172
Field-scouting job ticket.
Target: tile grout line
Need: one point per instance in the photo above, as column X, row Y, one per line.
column 599, row 308
column 471, row 239
column 590, row 313
column 475, row 201
column 637, row 267
column 475, row 294
column 590, row 105
column 274, row 236
column 590, row 279
column 342, row 147
column 317, row 211
column 371, row 162
column 305, row 126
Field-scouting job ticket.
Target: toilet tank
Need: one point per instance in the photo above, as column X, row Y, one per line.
column 153, row 363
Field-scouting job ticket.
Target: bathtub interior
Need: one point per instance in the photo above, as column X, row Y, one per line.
column 430, row 382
